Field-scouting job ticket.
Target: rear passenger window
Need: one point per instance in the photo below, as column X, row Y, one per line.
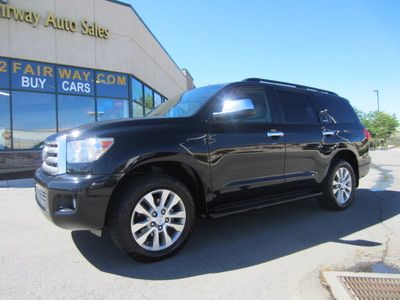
column 336, row 110
column 297, row 108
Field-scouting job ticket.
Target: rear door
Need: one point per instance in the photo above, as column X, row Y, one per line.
column 341, row 128
column 246, row 155
column 338, row 116
column 302, row 128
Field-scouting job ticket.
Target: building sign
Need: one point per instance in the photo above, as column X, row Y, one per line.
column 32, row 76
column 45, row 77
column 4, row 73
column 75, row 81
column 111, row 84
column 50, row 20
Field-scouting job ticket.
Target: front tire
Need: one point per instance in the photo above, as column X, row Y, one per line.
column 339, row 186
column 152, row 217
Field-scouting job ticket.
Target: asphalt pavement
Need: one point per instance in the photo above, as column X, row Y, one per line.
column 273, row 253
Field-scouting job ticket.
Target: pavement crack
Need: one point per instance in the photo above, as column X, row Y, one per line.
column 390, row 232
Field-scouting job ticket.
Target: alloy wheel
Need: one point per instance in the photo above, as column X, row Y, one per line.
column 158, row 220
column 342, row 185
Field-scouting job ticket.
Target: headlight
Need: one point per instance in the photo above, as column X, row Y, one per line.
column 87, row 150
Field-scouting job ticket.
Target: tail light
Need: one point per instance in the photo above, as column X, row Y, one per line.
column 367, row 134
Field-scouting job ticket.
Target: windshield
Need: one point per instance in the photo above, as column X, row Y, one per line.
column 187, row 104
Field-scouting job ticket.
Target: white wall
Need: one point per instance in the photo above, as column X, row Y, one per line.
column 131, row 48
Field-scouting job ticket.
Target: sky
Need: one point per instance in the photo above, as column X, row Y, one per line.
column 349, row 47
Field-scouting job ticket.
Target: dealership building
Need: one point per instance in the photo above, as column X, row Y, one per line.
column 68, row 63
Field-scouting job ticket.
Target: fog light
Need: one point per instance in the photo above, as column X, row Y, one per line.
column 67, row 203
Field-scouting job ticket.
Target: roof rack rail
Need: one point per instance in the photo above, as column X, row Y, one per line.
column 288, row 84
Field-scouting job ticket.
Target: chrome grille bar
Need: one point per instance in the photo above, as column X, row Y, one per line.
column 41, row 196
column 54, row 156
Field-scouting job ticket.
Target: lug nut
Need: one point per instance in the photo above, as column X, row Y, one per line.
column 155, row 214
column 163, row 211
column 152, row 224
column 166, row 220
column 159, row 227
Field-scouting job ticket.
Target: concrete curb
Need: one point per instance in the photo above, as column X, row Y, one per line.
column 17, row 183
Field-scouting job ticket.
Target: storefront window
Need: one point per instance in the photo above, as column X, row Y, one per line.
column 5, row 132
column 74, row 111
column 109, row 109
column 112, row 84
column 157, row 99
column 46, row 98
column 32, row 76
column 75, row 81
column 4, row 73
column 137, row 91
column 34, row 118
column 148, row 98
column 137, row 110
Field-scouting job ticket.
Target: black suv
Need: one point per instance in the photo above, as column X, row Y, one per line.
column 213, row 151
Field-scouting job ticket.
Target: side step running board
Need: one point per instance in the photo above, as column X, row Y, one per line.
column 242, row 208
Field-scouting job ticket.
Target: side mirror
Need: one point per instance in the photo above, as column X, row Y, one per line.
column 235, row 109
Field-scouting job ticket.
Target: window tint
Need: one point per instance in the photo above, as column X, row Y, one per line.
column 157, row 99
column 109, row 109
column 297, row 108
column 137, row 91
column 336, row 110
column 5, row 132
column 4, row 73
column 33, row 76
column 75, row 81
column 74, row 111
column 38, row 99
column 34, row 118
column 111, row 84
column 137, row 110
column 257, row 96
column 148, row 98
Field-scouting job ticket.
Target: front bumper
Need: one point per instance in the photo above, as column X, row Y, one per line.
column 75, row 201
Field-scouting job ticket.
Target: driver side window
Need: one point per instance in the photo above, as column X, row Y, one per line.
column 261, row 105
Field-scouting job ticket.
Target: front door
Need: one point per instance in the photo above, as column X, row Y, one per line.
column 247, row 154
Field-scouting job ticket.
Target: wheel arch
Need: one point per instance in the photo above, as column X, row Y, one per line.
column 351, row 158
column 179, row 170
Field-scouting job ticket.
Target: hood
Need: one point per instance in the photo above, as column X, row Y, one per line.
column 117, row 124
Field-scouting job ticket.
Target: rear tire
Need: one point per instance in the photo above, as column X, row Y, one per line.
column 339, row 186
column 152, row 217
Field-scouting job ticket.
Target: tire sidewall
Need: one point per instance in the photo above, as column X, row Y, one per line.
column 329, row 189
column 125, row 236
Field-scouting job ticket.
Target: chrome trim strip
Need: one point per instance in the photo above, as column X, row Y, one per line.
column 62, row 154
column 49, row 169
column 328, row 132
column 41, row 194
column 275, row 133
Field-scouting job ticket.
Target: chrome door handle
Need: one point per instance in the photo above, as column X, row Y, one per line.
column 328, row 132
column 273, row 133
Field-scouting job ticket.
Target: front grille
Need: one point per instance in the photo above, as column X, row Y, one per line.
column 54, row 156
column 41, row 196
column 50, row 158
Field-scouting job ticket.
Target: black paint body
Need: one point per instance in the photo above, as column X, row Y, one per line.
column 236, row 166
